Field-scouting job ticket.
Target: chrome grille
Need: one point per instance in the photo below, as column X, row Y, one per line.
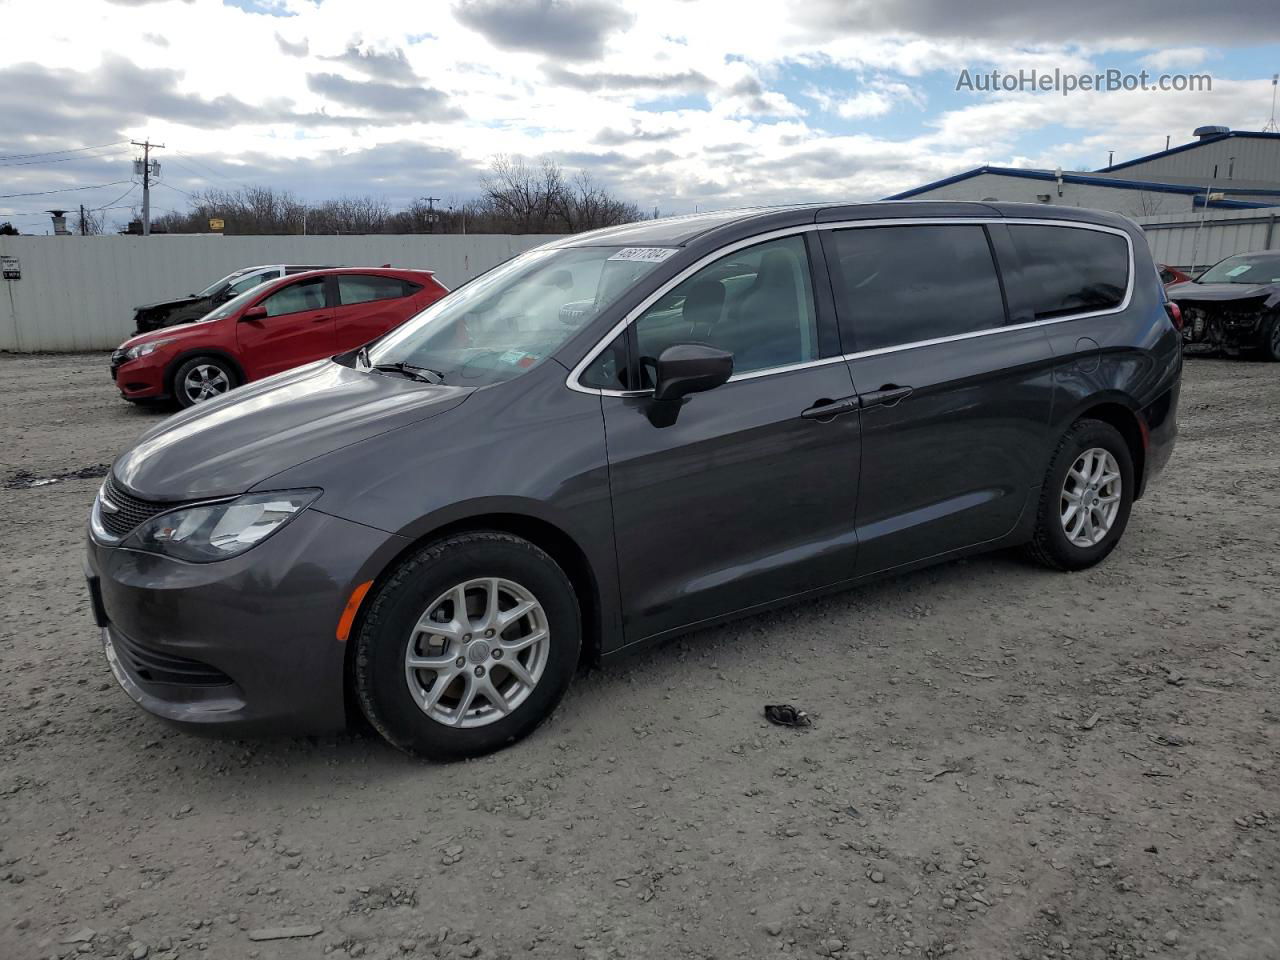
column 130, row 510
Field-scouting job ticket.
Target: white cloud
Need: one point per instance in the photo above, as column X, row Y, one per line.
column 672, row 103
column 1175, row 58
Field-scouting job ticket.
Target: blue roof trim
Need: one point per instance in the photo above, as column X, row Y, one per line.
column 945, row 182
column 1198, row 201
column 1084, row 180
column 1245, row 134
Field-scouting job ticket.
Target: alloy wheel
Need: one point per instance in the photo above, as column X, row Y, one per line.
column 1091, row 497
column 477, row 652
column 204, row 381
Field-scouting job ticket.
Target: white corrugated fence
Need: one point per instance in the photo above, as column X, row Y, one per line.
column 1185, row 241
column 78, row 293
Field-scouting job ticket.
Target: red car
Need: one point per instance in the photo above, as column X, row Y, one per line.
column 1171, row 275
column 270, row 328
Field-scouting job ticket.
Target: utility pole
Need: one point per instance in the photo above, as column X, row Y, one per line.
column 431, row 214
column 83, row 228
column 150, row 171
column 1270, row 125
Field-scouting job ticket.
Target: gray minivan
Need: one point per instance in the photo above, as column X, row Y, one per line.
column 623, row 435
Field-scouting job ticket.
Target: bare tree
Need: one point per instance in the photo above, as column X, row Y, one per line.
column 516, row 197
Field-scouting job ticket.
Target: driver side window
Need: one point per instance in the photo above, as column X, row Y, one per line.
column 296, row 297
column 756, row 303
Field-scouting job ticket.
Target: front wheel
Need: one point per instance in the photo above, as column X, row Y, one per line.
column 202, row 378
column 1269, row 348
column 468, row 646
column 1086, row 498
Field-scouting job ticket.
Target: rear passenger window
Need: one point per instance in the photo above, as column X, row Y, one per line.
column 899, row 285
column 1069, row 270
column 362, row 289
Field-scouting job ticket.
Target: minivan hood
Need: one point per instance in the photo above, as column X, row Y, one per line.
column 225, row 446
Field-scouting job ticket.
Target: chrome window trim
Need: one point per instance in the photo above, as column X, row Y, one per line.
column 571, row 381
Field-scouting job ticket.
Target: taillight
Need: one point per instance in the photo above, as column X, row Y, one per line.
column 1175, row 314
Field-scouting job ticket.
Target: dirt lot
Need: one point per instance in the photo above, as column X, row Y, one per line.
column 1006, row 762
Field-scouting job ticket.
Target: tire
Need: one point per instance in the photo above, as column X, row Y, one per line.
column 1051, row 544
column 217, row 373
column 405, row 705
column 1269, row 344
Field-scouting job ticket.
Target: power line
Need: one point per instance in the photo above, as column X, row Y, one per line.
column 179, row 189
column 132, row 187
column 28, row 163
column 50, row 153
column 206, row 166
column 41, row 193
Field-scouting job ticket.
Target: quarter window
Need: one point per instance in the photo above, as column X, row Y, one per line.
column 757, row 303
column 353, row 288
column 899, row 285
column 1069, row 270
column 296, row 297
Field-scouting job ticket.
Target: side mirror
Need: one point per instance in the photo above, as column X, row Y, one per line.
column 686, row 368
column 254, row 314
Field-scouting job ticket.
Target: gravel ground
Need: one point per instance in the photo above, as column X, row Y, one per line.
column 1005, row 762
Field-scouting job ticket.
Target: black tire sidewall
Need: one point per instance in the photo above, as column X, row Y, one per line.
column 1271, row 340
column 180, row 396
column 1084, row 435
column 386, row 628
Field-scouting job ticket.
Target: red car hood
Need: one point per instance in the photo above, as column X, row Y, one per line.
column 196, row 328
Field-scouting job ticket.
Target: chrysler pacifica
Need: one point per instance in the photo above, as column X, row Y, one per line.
column 627, row 434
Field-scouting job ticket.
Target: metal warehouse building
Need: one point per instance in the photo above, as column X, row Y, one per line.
column 1222, row 168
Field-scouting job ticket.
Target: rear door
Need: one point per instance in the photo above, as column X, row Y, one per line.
column 955, row 401
column 367, row 305
column 745, row 498
column 297, row 329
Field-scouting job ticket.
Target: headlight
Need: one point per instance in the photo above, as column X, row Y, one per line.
column 216, row 531
column 142, row 349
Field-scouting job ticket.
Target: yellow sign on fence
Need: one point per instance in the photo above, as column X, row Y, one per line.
column 216, row 224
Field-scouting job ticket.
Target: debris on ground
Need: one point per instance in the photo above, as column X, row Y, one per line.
column 25, row 479
column 785, row 715
column 286, row 933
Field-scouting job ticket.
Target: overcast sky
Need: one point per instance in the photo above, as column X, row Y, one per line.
column 673, row 104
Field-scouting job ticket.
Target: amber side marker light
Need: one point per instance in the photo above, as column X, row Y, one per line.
column 352, row 608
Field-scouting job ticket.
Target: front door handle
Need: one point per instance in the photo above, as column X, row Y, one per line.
column 890, row 395
column 826, row 409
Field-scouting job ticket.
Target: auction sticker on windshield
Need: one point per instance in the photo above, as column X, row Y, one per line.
column 644, row 254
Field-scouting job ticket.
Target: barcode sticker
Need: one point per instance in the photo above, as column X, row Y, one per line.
column 644, row 254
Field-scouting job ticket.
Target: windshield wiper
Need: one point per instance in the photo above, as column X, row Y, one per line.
column 412, row 371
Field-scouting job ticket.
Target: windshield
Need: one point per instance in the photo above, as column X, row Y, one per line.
column 214, row 287
column 1245, row 268
column 510, row 319
column 232, row 305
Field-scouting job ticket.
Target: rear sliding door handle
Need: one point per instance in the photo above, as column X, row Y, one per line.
column 826, row 409
column 890, row 395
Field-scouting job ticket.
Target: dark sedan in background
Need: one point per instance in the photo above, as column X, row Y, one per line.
column 1234, row 305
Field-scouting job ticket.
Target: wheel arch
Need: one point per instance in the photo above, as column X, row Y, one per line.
column 542, row 533
column 1129, row 423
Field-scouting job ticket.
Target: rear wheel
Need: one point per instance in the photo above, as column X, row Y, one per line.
column 1086, row 498
column 468, row 646
column 202, row 378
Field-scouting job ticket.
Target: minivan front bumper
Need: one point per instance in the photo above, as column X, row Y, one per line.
column 244, row 646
